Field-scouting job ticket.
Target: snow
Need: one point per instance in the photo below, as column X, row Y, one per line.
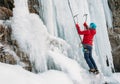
column 52, row 44
column 116, row 76
column 14, row 74
column 56, row 77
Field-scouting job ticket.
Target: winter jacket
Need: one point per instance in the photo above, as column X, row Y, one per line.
column 88, row 34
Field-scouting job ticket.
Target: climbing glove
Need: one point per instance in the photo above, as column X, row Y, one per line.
column 85, row 24
column 77, row 25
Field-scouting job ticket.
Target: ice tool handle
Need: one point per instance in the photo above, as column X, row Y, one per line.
column 73, row 17
column 85, row 15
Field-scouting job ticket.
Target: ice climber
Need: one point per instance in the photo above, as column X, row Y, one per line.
column 88, row 35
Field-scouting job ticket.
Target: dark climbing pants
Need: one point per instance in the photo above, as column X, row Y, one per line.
column 88, row 57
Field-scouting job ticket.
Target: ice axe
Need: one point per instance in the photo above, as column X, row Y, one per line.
column 85, row 15
column 75, row 16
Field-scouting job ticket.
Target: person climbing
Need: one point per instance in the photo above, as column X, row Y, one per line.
column 87, row 42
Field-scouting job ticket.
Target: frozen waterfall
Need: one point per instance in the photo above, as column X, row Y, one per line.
column 51, row 39
column 97, row 11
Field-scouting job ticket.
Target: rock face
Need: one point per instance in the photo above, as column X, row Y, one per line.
column 115, row 8
column 115, row 35
column 7, row 4
column 115, row 43
column 5, row 56
column 5, row 13
column 33, row 6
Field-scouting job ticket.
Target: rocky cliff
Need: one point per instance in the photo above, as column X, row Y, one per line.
column 115, row 8
column 114, row 35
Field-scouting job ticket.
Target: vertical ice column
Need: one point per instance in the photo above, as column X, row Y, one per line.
column 47, row 13
column 108, row 14
column 66, row 27
column 102, row 43
column 30, row 34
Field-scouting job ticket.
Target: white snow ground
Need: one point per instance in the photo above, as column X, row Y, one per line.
column 14, row 74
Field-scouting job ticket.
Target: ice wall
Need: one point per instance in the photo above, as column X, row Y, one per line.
column 64, row 27
column 32, row 35
column 47, row 15
column 102, row 44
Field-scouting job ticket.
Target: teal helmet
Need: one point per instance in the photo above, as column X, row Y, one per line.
column 93, row 25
